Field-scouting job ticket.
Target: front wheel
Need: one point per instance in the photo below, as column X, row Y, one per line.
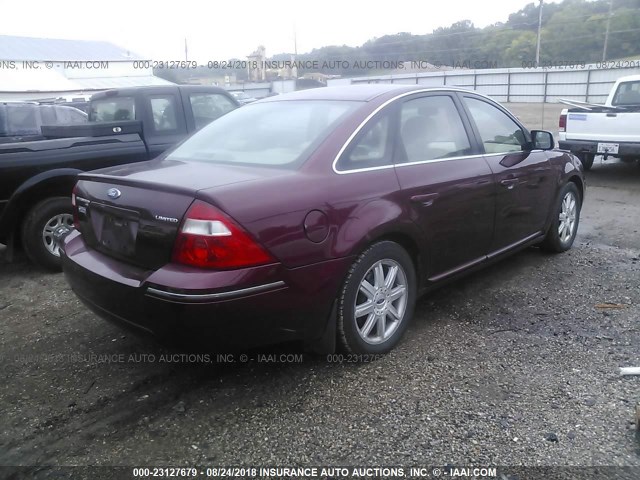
column 377, row 300
column 566, row 218
column 39, row 227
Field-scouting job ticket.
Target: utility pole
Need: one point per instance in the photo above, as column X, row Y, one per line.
column 539, row 30
column 295, row 40
column 606, row 33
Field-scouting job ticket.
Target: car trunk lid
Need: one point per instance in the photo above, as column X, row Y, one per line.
column 133, row 212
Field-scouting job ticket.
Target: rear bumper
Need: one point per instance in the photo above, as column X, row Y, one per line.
column 631, row 149
column 234, row 309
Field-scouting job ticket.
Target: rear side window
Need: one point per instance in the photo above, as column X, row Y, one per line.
column 206, row 107
column 371, row 147
column 498, row 132
column 163, row 109
column 113, row 109
column 431, row 128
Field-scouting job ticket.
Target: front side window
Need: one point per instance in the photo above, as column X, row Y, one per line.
column 163, row 109
column 113, row 109
column 268, row 134
column 431, row 128
column 628, row 93
column 207, row 107
column 498, row 132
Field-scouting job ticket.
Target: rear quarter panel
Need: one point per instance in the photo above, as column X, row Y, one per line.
column 358, row 208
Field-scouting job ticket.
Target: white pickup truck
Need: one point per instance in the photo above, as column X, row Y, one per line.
column 610, row 130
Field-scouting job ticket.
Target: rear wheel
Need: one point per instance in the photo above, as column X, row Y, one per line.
column 38, row 230
column 565, row 222
column 377, row 300
column 587, row 160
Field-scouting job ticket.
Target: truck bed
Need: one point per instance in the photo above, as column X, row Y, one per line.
column 604, row 124
column 23, row 160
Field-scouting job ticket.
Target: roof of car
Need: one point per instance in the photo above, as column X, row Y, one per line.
column 358, row 93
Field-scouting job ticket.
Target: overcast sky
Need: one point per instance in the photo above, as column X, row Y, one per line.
column 233, row 29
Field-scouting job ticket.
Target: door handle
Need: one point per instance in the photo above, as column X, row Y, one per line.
column 612, row 114
column 509, row 182
column 425, row 200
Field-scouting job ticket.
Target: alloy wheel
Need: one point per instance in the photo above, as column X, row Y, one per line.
column 381, row 301
column 567, row 217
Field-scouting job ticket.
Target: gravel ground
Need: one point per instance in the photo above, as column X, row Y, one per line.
column 514, row 365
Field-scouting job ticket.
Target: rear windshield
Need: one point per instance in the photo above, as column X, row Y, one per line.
column 628, row 93
column 267, row 134
column 112, row 109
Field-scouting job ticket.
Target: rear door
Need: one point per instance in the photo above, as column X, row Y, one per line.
column 524, row 178
column 164, row 121
column 446, row 182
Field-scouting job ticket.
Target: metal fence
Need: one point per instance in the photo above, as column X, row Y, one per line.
column 590, row 83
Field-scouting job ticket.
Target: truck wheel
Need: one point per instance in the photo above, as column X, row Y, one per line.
column 38, row 228
column 587, row 160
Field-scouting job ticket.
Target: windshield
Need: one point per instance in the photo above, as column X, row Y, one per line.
column 266, row 134
column 628, row 93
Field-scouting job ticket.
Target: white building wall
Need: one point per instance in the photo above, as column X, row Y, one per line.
column 588, row 84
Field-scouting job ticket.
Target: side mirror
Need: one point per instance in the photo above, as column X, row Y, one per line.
column 542, row 140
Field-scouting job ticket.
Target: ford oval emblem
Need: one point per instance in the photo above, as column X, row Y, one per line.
column 114, row 193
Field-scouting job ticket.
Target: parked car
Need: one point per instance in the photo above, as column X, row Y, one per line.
column 22, row 121
column 79, row 101
column 125, row 125
column 610, row 130
column 319, row 216
column 243, row 98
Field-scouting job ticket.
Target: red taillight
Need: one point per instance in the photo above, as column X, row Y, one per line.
column 76, row 220
column 210, row 239
column 562, row 124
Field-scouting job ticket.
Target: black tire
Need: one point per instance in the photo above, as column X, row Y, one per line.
column 554, row 241
column 34, row 240
column 389, row 255
column 587, row 160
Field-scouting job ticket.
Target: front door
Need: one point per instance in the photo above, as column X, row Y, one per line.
column 524, row 178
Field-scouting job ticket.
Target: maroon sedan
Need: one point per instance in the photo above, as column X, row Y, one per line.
column 317, row 216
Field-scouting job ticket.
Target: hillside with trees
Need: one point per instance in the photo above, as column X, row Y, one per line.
column 572, row 32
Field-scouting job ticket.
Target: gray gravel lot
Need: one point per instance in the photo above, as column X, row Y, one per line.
column 514, row 365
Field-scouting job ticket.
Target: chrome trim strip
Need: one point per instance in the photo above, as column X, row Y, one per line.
column 361, row 126
column 502, row 250
column 420, row 162
column 214, row 296
column 372, row 114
